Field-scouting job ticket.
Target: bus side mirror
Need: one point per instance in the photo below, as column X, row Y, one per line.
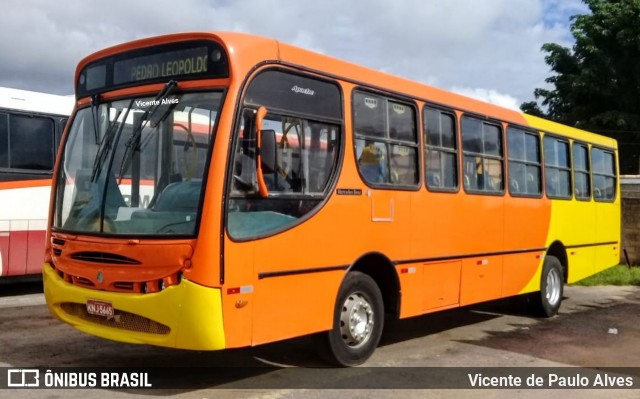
column 266, row 152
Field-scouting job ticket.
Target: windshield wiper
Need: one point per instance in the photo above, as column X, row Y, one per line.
column 133, row 142
column 105, row 145
column 95, row 102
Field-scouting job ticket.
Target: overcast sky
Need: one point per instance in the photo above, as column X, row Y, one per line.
column 484, row 48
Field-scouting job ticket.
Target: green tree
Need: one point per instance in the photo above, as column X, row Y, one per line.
column 596, row 83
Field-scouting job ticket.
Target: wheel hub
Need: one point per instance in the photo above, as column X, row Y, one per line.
column 553, row 287
column 356, row 320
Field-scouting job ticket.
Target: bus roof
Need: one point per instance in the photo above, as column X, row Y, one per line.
column 384, row 81
column 32, row 101
column 257, row 49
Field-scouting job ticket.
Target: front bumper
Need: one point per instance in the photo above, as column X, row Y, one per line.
column 185, row 316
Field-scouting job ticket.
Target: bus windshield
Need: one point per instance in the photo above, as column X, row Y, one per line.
column 136, row 166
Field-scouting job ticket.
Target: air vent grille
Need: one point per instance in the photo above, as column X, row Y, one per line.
column 121, row 319
column 104, row 257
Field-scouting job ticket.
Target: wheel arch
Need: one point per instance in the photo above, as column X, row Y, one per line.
column 559, row 251
column 382, row 270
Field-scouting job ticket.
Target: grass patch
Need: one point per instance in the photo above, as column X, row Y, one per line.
column 617, row 275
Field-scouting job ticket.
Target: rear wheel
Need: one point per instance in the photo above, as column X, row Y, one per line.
column 357, row 321
column 547, row 301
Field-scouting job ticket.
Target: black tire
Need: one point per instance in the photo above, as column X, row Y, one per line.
column 547, row 301
column 357, row 321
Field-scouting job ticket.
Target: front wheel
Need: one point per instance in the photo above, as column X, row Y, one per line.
column 357, row 321
column 547, row 301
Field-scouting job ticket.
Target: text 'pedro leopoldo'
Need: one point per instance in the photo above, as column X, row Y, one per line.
column 550, row 381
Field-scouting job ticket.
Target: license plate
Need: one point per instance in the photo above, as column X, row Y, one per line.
column 99, row 308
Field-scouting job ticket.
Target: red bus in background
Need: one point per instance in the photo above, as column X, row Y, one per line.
column 31, row 124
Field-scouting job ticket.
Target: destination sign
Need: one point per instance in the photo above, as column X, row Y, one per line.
column 166, row 65
column 173, row 61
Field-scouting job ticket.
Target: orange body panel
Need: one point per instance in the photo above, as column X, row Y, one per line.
column 24, row 184
column 142, row 262
column 440, row 285
column 481, row 279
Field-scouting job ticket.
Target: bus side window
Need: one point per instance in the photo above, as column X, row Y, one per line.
column 524, row 162
column 305, row 159
column 604, row 174
column 483, row 156
column 441, row 150
column 386, row 140
column 4, row 140
column 32, row 142
column 557, row 167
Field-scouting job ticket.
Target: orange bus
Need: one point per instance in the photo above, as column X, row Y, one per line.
column 291, row 193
